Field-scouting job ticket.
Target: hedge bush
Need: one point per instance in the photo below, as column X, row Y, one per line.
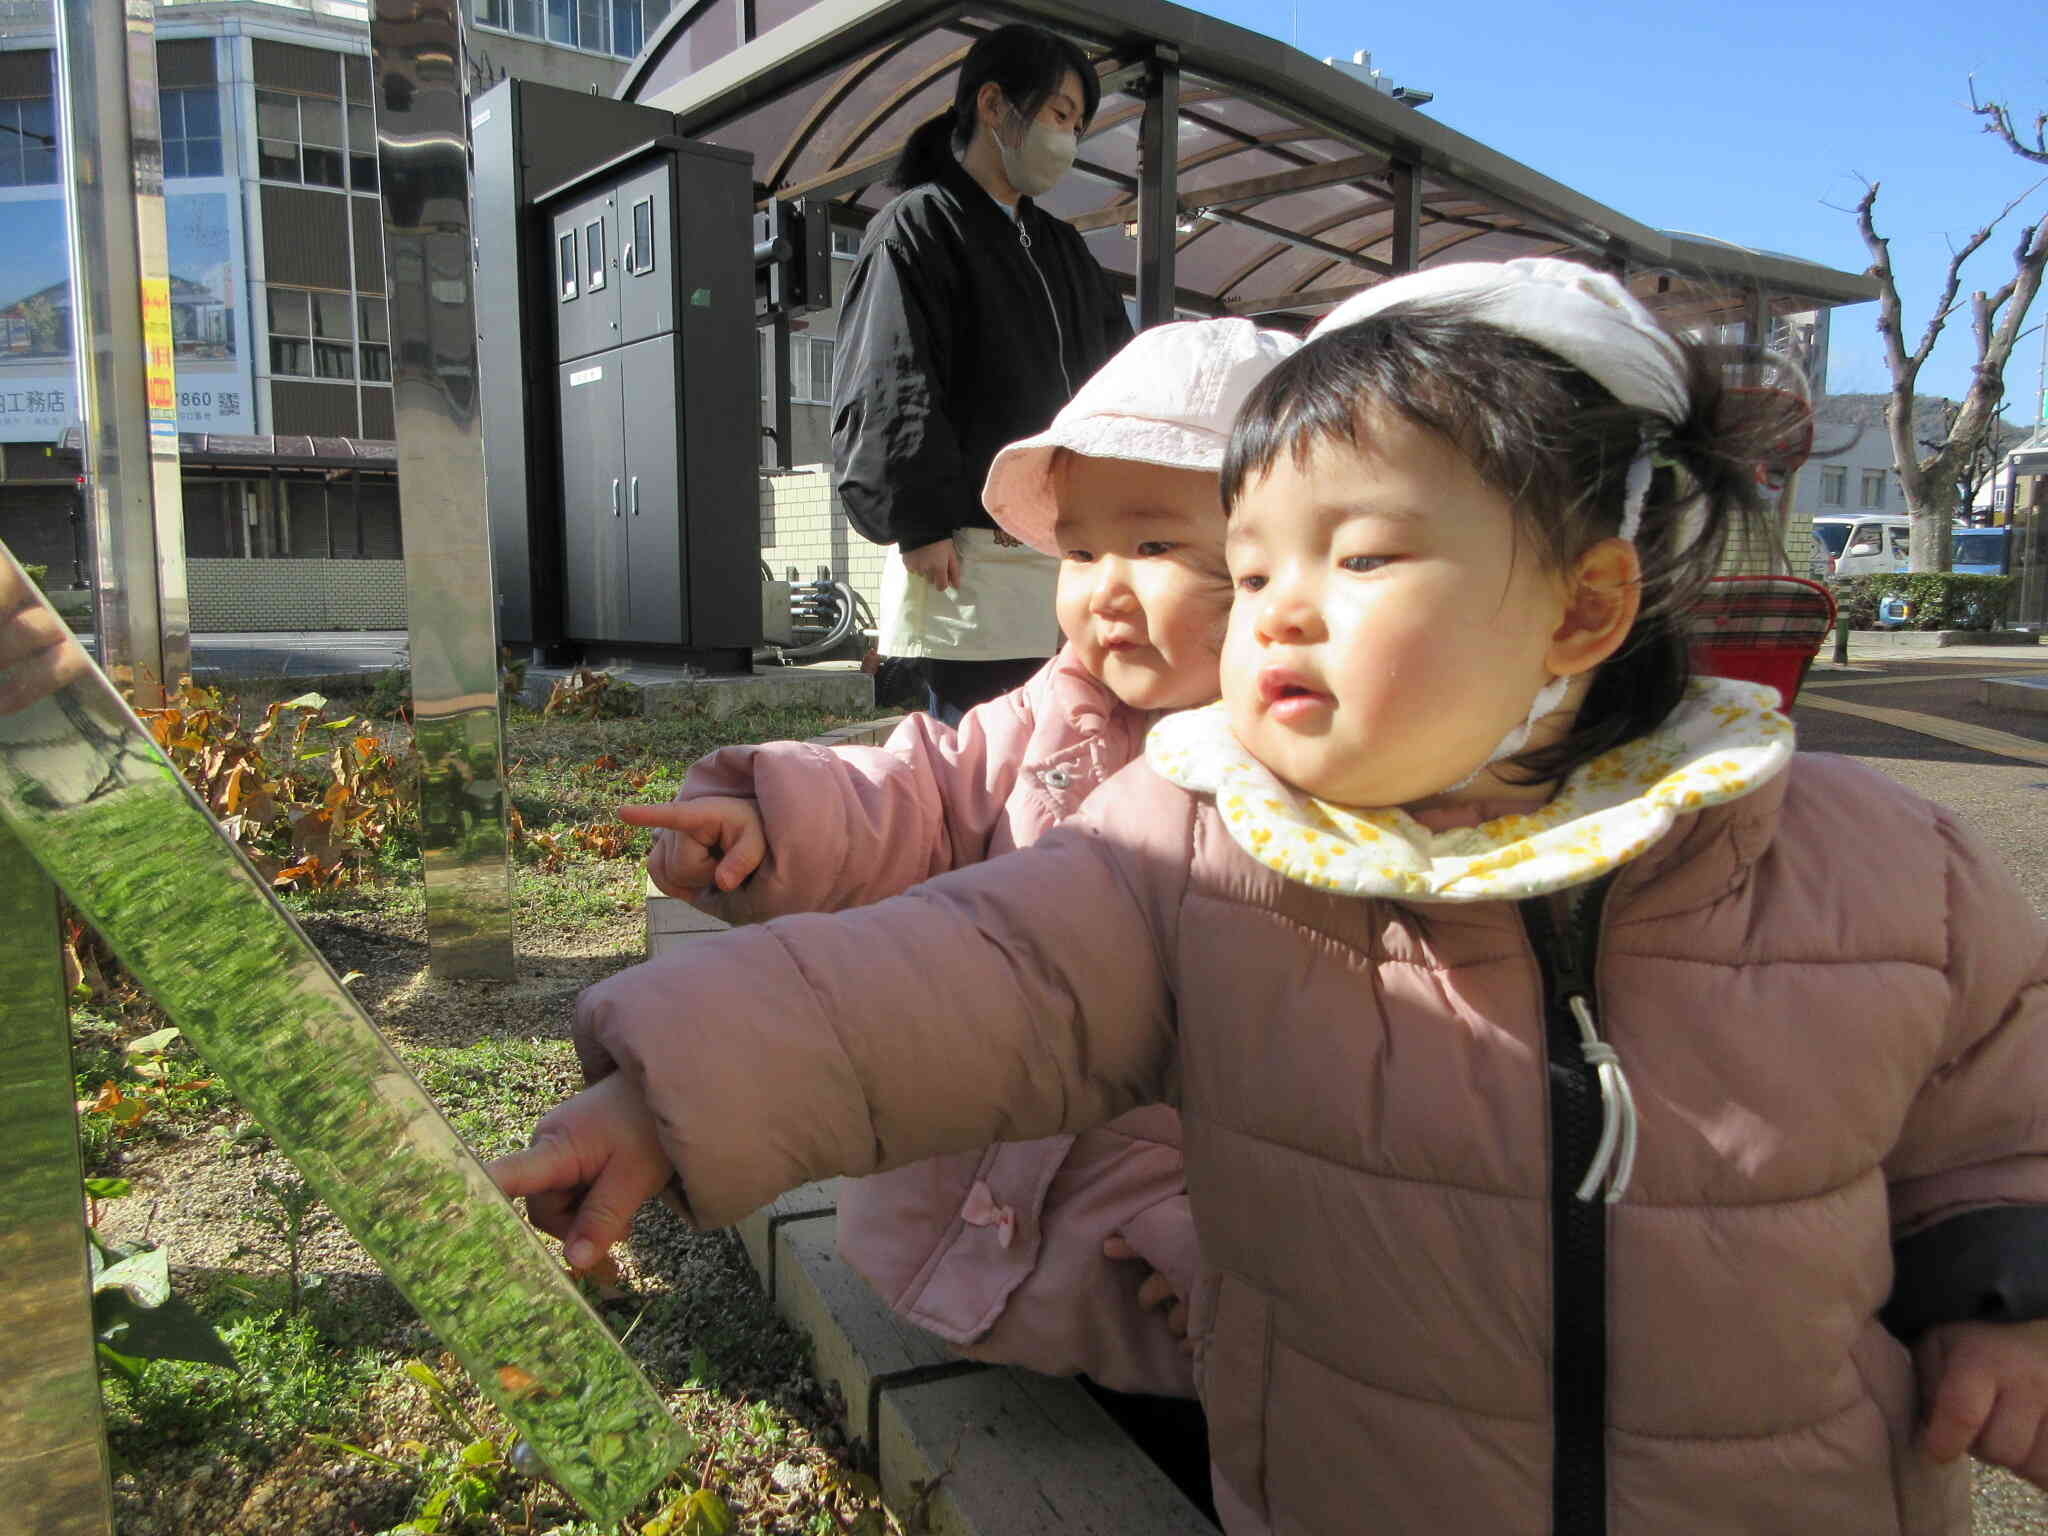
column 1940, row 599
column 39, row 574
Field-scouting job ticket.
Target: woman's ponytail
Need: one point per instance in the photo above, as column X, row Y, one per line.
column 930, row 145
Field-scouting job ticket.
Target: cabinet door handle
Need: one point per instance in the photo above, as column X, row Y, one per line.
column 615, row 496
column 633, row 495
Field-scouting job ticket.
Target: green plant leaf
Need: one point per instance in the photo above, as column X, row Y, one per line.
column 127, row 1366
column 479, row 1453
column 156, row 1041
column 705, row 1514
column 144, row 1277
column 423, row 1373
column 173, row 1330
column 108, row 1189
column 334, row 1444
column 305, row 701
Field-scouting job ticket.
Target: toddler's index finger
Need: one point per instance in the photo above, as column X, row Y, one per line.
column 546, row 1165
column 676, row 815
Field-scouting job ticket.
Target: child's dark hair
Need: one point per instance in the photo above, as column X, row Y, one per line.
column 1558, row 446
column 1028, row 63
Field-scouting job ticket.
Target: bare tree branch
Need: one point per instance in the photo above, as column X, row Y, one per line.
column 1933, row 474
column 1998, row 121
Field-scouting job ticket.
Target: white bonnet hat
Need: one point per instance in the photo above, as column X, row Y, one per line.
column 1168, row 398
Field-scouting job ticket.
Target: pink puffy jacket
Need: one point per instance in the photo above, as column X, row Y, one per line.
column 1832, row 1003
column 999, row 1250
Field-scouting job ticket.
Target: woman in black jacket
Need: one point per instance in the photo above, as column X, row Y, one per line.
column 971, row 317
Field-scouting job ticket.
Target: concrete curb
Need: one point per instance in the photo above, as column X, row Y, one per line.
column 2028, row 694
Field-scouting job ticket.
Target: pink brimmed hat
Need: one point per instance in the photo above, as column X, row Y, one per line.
column 1168, row 398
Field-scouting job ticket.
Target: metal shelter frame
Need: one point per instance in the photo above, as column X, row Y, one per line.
column 1225, row 173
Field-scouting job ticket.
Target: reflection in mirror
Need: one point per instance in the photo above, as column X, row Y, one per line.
column 86, row 791
column 53, row 1456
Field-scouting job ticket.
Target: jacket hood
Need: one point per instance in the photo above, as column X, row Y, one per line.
column 1724, row 740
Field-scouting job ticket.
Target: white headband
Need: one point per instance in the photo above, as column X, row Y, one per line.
column 1585, row 317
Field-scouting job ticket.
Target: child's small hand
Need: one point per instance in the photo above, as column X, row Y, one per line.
column 1984, row 1389
column 593, row 1162
column 685, row 861
column 1156, row 1291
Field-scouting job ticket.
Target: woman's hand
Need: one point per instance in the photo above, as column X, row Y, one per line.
column 938, row 563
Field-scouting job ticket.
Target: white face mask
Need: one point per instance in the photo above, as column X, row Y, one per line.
column 1043, row 155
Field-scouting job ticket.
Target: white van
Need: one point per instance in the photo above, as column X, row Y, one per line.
column 1865, row 545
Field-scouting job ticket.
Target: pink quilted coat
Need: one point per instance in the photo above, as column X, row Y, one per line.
column 997, row 1250
column 1837, row 1040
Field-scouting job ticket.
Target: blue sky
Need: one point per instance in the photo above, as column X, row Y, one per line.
column 1744, row 120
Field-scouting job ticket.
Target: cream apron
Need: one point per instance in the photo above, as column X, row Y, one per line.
column 1002, row 609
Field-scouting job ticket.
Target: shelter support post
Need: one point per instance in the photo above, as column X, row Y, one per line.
column 127, row 395
column 777, row 388
column 418, row 64
column 53, row 1446
column 1407, row 188
column 1158, row 188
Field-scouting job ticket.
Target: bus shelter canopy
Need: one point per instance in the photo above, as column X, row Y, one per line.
column 1225, row 172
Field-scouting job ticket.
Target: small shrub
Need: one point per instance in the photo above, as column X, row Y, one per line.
column 39, row 574
column 1939, row 599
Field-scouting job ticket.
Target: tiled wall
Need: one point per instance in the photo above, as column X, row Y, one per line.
column 803, row 525
column 296, row 594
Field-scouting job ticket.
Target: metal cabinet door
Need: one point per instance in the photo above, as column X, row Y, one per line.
column 585, row 258
column 657, row 612
column 594, row 490
column 648, row 269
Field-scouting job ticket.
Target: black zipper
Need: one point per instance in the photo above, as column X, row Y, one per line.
column 1578, row 1228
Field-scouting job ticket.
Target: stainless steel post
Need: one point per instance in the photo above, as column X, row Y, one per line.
column 419, row 87
column 121, row 339
column 53, row 1445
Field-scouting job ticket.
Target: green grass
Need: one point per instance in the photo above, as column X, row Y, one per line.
column 292, row 1379
column 488, row 1090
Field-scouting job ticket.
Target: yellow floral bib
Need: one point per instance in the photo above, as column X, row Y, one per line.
column 1724, row 739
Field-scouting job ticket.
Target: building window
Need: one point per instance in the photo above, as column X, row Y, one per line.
column 616, row 27
column 305, row 139
column 846, row 243
column 1873, row 488
column 810, row 370
column 362, row 149
column 191, row 128
column 28, row 142
column 1834, row 486
column 373, row 326
column 310, row 335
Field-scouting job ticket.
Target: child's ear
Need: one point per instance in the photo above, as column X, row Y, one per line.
column 1604, row 590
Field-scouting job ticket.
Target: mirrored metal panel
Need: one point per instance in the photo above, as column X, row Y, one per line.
column 85, row 789
column 420, row 90
column 53, row 1453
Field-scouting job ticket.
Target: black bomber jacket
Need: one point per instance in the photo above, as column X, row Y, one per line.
column 960, row 332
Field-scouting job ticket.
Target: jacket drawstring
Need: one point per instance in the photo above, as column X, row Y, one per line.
column 1617, row 1110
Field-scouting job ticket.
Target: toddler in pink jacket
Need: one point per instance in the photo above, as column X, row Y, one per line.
column 1020, row 1252
column 1601, row 1119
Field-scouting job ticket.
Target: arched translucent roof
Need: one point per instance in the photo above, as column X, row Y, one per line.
column 1296, row 183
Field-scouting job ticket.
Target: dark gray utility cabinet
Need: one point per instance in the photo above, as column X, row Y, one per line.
column 653, row 287
column 616, row 297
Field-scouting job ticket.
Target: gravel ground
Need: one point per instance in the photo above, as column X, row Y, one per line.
column 2003, row 801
